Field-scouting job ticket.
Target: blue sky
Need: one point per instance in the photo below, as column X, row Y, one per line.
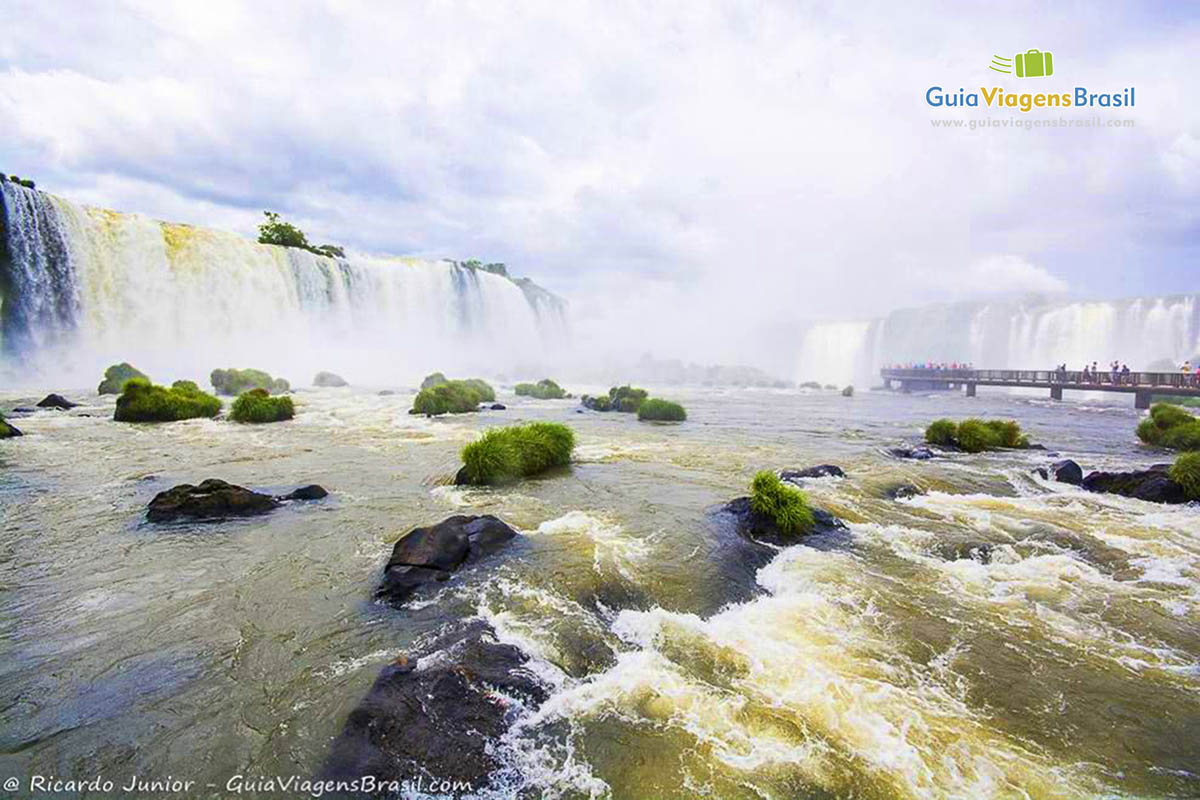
column 751, row 164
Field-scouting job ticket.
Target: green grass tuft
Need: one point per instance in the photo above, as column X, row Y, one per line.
column 142, row 401
column 257, row 405
column 544, row 389
column 654, row 409
column 975, row 436
column 116, row 376
column 943, row 432
column 1186, row 472
column 238, row 381
column 786, row 505
column 1170, row 426
column 506, row 454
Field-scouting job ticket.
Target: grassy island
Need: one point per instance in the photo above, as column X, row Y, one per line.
column 238, row 381
column 444, row 396
column 257, row 405
column 655, row 410
column 976, row 435
column 785, row 505
column 544, row 389
column 507, row 454
column 116, row 376
column 1170, row 426
column 142, row 401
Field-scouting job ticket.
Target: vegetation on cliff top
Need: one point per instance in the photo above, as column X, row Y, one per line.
column 285, row 234
column 787, row 506
column 142, row 401
column 28, row 184
column 518, row 451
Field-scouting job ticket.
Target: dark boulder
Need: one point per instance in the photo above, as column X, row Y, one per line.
column 215, row 499
column 56, row 401
column 440, row 715
column 1066, row 471
column 212, row 499
column 310, row 492
column 433, row 553
column 919, row 453
column 497, row 406
column 761, row 528
column 819, row 471
column 1153, row 485
column 387, row 392
column 329, row 380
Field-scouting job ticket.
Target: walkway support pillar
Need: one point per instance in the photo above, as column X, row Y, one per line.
column 1141, row 399
column 1056, row 393
column 970, row 390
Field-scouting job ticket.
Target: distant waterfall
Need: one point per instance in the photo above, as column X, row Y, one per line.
column 81, row 288
column 1145, row 333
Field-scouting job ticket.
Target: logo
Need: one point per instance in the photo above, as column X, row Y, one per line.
column 1030, row 64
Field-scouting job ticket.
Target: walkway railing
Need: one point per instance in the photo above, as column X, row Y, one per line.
column 1178, row 380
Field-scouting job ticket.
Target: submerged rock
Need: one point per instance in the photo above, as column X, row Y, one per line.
column 433, row 553
column 387, row 392
column 958, row 551
column 329, row 380
column 216, row 499
column 440, row 715
column 56, row 401
column 819, row 471
column 919, row 452
column 903, row 491
column 762, row 528
column 1153, row 485
column 848, row 391
column 498, row 407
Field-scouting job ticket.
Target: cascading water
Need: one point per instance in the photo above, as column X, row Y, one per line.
column 1145, row 333
column 86, row 287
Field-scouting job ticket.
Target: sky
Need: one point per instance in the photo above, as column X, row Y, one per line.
column 705, row 176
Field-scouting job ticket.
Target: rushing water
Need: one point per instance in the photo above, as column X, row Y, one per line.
column 1147, row 333
column 86, row 287
column 875, row 665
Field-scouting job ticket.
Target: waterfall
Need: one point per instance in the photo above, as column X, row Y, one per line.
column 1145, row 333
column 82, row 288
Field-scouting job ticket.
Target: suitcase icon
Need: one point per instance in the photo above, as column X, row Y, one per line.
column 1035, row 64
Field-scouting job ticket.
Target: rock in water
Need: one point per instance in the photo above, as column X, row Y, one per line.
column 919, row 453
column 7, row 429
column 212, row 499
column 762, row 528
column 903, row 491
column 498, row 406
column 310, row 492
column 848, row 391
column 1067, row 471
column 215, row 499
column 329, row 380
column 1153, row 485
column 56, row 401
column 440, row 718
column 433, row 553
column 819, row 471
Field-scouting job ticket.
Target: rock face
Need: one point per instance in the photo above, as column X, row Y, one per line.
column 433, row 553
column 1153, row 484
column 761, row 528
column 329, row 380
column 215, row 499
column 919, row 453
column 56, row 401
column 438, row 715
column 1066, row 471
column 819, row 471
